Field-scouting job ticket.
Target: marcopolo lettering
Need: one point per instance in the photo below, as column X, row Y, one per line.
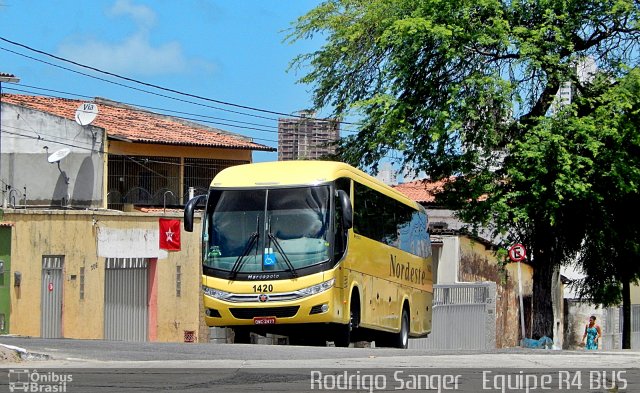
column 405, row 272
column 263, row 276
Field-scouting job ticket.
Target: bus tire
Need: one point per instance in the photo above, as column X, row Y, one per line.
column 401, row 339
column 343, row 334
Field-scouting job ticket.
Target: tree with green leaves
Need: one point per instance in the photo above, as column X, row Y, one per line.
column 469, row 88
column 610, row 255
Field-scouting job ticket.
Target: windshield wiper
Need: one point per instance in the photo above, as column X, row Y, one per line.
column 294, row 273
column 253, row 239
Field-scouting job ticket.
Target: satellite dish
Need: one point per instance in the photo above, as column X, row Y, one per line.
column 86, row 113
column 58, row 155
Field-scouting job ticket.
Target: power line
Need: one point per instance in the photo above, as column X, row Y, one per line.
column 40, row 133
column 136, row 107
column 160, row 95
column 135, row 88
column 153, row 85
column 132, row 158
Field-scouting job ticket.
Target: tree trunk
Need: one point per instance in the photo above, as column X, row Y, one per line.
column 542, row 303
column 626, row 314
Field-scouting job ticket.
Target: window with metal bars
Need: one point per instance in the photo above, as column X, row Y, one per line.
column 198, row 173
column 142, row 180
column 82, row 283
column 178, row 281
column 155, row 181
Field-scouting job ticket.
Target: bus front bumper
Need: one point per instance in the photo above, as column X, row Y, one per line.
column 324, row 307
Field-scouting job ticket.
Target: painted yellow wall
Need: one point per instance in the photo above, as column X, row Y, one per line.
column 177, row 314
column 74, row 235
column 470, row 246
column 479, row 263
column 527, row 276
column 143, row 149
column 635, row 294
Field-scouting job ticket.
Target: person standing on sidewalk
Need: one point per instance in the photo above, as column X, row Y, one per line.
column 592, row 333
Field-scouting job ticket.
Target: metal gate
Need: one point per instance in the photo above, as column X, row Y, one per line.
column 463, row 317
column 51, row 297
column 126, row 299
column 612, row 320
column 635, row 326
column 611, row 328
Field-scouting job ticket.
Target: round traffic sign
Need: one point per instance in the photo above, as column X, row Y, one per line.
column 517, row 253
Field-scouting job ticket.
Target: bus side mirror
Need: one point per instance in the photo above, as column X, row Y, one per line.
column 188, row 211
column 347, row 209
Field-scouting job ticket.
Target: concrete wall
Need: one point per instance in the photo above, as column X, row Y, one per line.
column 28, row 138
column 576, row 317
column 448, row 260
column 86, row 239
column 479, row 263
column 463, row 259
column 635, row 294
column 557, row 301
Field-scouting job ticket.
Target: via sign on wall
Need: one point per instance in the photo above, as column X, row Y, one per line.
column 517, row 253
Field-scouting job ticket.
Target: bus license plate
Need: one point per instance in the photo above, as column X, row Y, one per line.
column 264, row 320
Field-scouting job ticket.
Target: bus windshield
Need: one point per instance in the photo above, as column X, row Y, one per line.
column 266, row 230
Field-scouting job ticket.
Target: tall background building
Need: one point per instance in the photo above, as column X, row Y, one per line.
column 586, row 69
column 305, row 137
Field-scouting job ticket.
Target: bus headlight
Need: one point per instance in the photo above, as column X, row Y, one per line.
column 318, row 288
column 215, row 293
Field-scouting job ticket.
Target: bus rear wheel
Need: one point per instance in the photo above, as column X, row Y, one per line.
column 401, row 339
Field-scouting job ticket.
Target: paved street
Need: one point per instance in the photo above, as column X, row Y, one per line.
column 107, row 366
column 99, row 353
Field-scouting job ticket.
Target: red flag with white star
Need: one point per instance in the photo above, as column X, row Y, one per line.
column 169, row 234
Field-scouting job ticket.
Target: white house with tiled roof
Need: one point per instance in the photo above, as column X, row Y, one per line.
column 126, row 156
column 81, row 223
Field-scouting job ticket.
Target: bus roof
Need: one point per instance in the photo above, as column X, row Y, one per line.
column 298, row 172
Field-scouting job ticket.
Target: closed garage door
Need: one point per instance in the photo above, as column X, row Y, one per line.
column 126, row 310
column 51, row 297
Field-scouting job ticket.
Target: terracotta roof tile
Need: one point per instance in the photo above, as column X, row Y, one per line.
column 137, row 125
column 421, row 191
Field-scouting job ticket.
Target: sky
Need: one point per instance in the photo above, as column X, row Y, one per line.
column 232, row 51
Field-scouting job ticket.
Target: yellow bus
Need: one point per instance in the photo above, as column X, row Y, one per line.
column 314, row 250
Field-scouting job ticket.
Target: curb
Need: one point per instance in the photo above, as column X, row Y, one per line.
column 23, row 354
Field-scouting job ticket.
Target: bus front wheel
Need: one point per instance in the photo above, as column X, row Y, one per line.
column 343, row 333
